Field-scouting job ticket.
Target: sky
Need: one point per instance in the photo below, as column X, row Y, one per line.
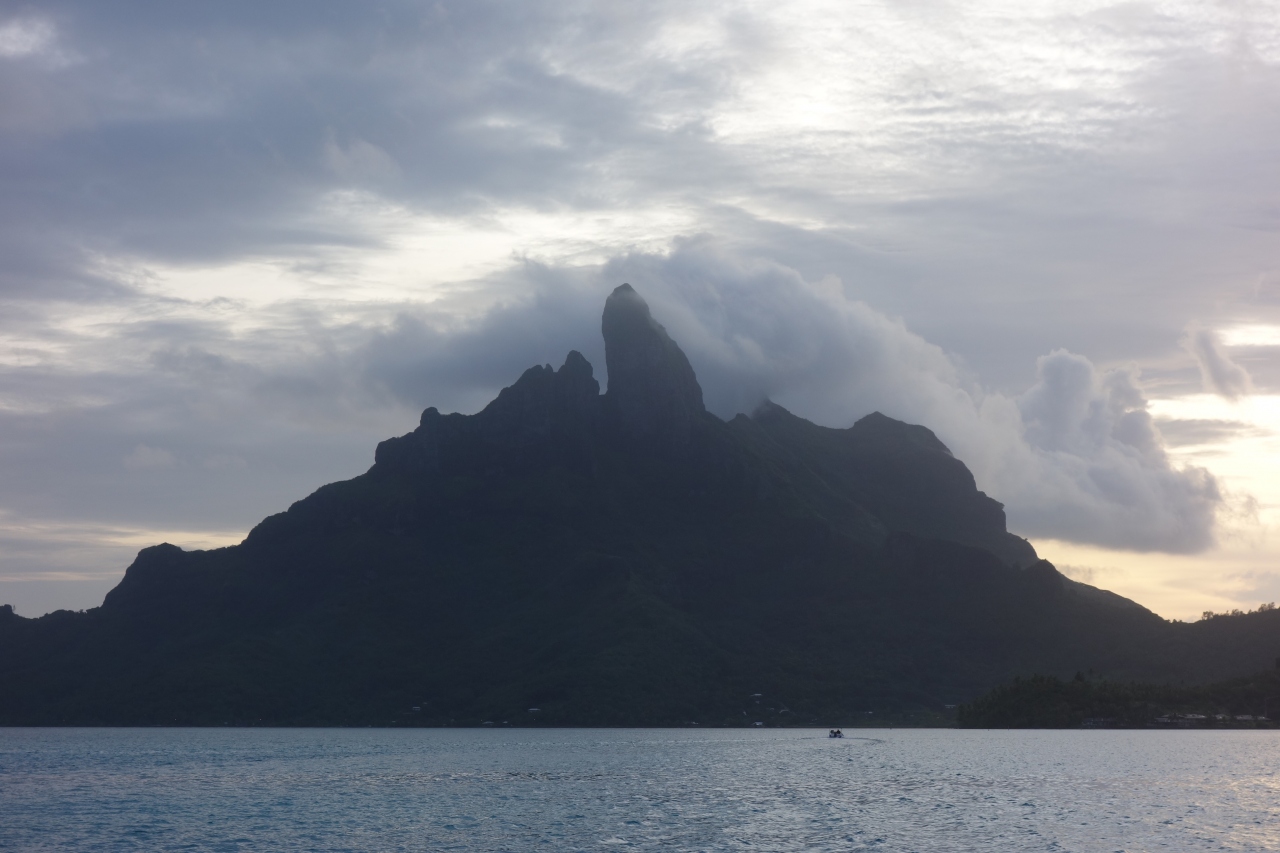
column 241, row 243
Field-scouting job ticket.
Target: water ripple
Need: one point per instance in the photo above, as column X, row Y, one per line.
column 518, row 790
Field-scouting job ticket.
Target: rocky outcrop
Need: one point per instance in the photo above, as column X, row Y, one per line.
column 543, row 405
column 542, row 402
column 652, row 388
column 900, row 473
column 878, row 476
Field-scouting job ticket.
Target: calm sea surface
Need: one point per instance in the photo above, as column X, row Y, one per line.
column 523, row 789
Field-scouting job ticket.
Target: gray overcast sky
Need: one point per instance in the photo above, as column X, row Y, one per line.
column 240, row 243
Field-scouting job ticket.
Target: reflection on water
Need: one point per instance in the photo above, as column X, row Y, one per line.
column 512, row 789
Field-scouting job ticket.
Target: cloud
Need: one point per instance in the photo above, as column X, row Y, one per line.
column 1219, row 373
column 1084, row 574
column 983, row 193
column 149, row 457
column 24, row 37
column 359, row 161
column 1101, row 473
column 1189, row 432
column 1076, row 456
column 224, row 460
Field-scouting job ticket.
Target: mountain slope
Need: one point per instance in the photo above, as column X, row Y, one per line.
column 624, row 558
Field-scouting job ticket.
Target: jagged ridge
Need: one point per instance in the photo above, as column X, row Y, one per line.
column 624, row 558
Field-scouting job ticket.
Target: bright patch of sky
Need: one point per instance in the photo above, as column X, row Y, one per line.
column 1251, row 335
column 1240, row 442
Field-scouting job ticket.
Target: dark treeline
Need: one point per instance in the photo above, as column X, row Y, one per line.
column 1047, row 702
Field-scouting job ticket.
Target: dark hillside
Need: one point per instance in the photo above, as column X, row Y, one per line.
column 624, row 558
column 901, row 473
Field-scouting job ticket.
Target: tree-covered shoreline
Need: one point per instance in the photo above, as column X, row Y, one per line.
column 1047, row 702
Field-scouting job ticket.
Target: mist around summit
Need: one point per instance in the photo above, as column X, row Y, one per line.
column 1075, row 455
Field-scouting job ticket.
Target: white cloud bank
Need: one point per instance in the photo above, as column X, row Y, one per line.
column 1075, row 457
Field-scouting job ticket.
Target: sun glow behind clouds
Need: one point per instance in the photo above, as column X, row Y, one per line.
column 909, row 93
column 1242, row 448
column 1174, row 586
column 1246, row 458
column 1251, row 335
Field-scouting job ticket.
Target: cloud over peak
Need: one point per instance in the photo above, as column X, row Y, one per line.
column 1076, row 456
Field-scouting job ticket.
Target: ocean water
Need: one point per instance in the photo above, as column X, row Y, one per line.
column 643, row 789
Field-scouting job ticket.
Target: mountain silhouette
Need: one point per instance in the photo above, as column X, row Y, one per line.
column 624, row 558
